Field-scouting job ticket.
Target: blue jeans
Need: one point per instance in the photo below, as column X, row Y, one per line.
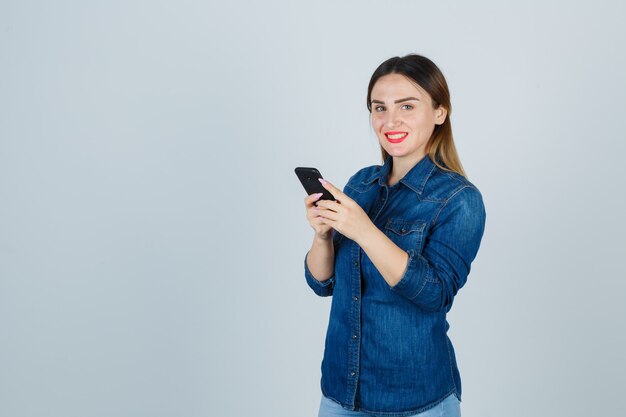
column 450, row 407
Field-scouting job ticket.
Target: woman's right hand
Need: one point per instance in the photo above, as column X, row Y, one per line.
column 322, row 230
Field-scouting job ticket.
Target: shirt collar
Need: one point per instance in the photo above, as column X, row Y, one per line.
column 415, row 179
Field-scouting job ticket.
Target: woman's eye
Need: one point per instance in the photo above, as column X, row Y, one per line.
column 407, row 107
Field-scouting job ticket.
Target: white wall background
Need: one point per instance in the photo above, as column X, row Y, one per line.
column 152, row 231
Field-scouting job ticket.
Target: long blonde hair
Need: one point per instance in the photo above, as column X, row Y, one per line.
column 421, row 70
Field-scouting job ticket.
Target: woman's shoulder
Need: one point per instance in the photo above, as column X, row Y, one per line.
column 444, row 185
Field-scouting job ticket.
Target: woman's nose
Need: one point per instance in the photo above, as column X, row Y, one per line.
column 393, row 119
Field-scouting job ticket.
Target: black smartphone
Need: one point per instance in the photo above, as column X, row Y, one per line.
column 309, row 179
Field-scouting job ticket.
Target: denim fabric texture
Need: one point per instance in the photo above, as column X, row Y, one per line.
column 387, row 350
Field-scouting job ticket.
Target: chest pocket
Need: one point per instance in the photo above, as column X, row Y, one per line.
column 407, row 234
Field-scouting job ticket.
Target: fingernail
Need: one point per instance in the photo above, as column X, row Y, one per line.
column 322, row 180
column 318, row 195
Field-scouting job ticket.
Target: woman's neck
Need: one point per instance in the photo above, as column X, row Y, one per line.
column 400, row 166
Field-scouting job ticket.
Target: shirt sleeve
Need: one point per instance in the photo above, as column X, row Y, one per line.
column 321, row 288
column 432, row 279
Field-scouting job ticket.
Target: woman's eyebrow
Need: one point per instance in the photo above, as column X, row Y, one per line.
column 397, row 101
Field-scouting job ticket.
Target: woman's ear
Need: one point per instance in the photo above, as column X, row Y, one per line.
column 440, row 115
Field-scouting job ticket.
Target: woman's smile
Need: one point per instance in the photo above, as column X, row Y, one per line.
column 396, row 137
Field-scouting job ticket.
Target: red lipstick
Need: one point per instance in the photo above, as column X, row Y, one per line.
column 396, row 136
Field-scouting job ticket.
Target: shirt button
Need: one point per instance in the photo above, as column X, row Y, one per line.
column 355, row 298
column 403, row 230
column 354, row 336
column 355, row 263
column 352, row 373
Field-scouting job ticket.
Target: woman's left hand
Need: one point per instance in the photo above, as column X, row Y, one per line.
column 344, row 214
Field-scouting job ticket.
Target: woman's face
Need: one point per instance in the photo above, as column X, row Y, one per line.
column 403, row 116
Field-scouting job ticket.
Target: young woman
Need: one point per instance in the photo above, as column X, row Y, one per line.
column 393, row 250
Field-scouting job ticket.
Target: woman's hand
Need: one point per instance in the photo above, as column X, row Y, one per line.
column 322, row 230
column 344, row 215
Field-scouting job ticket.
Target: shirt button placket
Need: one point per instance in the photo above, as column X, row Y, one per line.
column 354, row 335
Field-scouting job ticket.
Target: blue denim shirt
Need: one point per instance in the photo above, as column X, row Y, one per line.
column 387, row 350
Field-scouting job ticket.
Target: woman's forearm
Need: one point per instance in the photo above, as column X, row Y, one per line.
column 321, row 258
column 390, row 260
